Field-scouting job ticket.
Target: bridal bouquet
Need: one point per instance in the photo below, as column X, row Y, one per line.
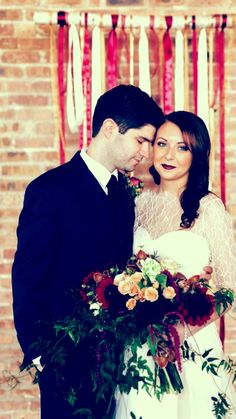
column 130, row 317
column 146, row 304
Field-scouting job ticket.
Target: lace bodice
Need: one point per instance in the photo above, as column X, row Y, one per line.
column 160, row 213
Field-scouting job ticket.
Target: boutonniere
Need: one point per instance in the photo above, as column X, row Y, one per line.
column 133, row 185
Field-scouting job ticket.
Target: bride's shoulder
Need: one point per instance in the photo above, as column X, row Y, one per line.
column 146, row 196
column 211, row 202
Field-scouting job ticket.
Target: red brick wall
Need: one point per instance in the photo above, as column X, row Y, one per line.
column 28, row 147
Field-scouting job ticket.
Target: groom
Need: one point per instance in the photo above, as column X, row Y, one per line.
column 69, row 226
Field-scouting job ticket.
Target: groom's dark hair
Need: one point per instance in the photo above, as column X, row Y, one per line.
column 129, row 107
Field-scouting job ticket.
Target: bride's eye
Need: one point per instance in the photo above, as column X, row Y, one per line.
column 161, row 144
column 184, row 147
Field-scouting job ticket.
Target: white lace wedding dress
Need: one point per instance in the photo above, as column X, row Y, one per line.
column 209, row 241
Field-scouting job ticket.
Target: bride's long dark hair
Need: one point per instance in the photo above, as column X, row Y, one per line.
column 196, row 135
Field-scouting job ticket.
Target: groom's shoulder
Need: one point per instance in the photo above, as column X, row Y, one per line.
column 57, row 176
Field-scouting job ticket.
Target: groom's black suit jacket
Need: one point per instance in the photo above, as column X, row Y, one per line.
column 65, row 231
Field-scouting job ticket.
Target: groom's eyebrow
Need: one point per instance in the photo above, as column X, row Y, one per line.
column 149, row 140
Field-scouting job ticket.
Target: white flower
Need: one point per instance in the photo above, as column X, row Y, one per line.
column 96, row 308
column 151, row 268
column 170, row 265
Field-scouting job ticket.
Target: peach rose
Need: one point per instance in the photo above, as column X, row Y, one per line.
column 151, row 294
column 141, row 295
column 125, row 286
column 134, row 290
column 136, row 277
column 156, row 284
column 169, row 293
column 118, row 278
column 131, row 303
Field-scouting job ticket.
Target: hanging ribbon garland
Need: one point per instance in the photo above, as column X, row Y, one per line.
column 168, row 69
column 74, row 98
column 54, row 77
column 186, row 72
column 61, row 18
column 124, row 52
column 202, row 88
column 195, row 68
column 154, row 56
column 85, row 131
column 179, row 71
column 144, row 68
column 211, row 106
column 131, row 62
column 96, row 66
column 221, row 66
column 112, row 54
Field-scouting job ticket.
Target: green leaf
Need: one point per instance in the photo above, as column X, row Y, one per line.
column 206, row 353
column 162, row 279
column 211, row 359
column 204, row 364
column 186, row 344
column 193, row 356
column 152, row 344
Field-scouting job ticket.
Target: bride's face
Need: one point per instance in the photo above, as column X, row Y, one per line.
column 172, row 157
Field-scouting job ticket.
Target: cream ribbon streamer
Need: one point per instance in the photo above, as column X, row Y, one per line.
column 203, row 99
column 144, row 68
column 96, row 66
column 131, row 62
column 186, row 72
column 74, row 99
column 179, row 71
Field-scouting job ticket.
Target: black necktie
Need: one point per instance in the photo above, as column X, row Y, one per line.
column 112, row 188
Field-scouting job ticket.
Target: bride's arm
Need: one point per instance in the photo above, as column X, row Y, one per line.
column 216, row 226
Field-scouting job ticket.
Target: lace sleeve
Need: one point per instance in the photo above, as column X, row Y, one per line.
column 139, row 210
column 218, row 230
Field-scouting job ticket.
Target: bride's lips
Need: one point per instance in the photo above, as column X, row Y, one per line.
column 168, row 167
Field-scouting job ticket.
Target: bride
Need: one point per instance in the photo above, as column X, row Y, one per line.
column 184, row 221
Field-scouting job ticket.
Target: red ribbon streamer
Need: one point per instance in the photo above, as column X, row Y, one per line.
column 112, row 55
column 168, row 69
column 221, row 67
column 221, row 64
column 61, row 18
column 86, row 81
column 216, row 68
column 195, row 58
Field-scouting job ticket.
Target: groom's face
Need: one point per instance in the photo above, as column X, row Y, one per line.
column 130, row 148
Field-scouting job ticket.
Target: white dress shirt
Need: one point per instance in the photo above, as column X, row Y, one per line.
column 100, row 172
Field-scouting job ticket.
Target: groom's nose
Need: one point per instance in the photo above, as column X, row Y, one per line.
column 145, row 149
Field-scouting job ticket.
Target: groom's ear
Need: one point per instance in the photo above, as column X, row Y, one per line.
column 109, row 128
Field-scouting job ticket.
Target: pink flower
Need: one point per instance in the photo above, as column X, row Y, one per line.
column 134, row 181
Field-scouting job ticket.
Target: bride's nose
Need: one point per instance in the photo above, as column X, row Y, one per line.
column 169, row 153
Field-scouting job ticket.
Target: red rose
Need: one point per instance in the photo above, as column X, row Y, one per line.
column 134, row 181
column 102, row 291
